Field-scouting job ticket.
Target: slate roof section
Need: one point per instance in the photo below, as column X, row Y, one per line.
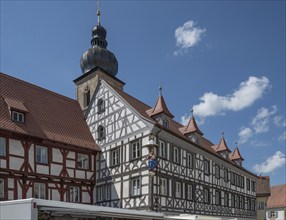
column 278, row 197
column 263, row 186
column 160, row 108
column 236, row 155
column 191, row 127
column 48, row 115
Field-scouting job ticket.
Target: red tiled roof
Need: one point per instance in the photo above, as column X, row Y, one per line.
column 191, row 127
column 277, row 198
column 263, row 186
column 160, row 108
column 48, row 115
column 236, row 155
column 222, row 146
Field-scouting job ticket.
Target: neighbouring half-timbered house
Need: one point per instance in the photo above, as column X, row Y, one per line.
column 150, row 161
column 46, row 149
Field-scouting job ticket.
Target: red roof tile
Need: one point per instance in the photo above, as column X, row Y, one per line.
column 222, row 146
column 191, row 127
column 160, row 108
column 49, row 116
column 277, row 198
column 236, row 155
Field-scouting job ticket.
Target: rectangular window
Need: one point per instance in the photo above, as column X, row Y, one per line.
column 189, row 192
column 260, row 205
column 206, row 195
column 178, row 190
column 176, row 158
column 232, row 178
column 162, row 150
column 217, row 197
column 40, row 190
column 74, row 194
column 18, row 117
column 1, row 188
column 226, row 199
column 135, row 187
column 241, row 202
column 163, row 186
column 253, row 186
column 190, row 160
column 83, row 161
column 41, row 154
column 2, row 147
column 135, row 150
column 103, row 193
column 232, row 201
column 115, row 157
column 247, row 184
column 226, row 175
column 207, row 167
column 217, row 171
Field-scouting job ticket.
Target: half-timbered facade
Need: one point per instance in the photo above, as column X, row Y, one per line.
column 46, row 149
column 150, row 161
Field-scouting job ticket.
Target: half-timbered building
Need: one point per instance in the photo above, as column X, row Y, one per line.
column 150, row 161
column 46, row 149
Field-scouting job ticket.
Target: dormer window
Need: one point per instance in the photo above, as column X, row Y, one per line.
column 165, row 123
column 18, row 116
column 100, row 133
column 100, row 106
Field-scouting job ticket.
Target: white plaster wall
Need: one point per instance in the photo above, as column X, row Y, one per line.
column 42, row 169
column 55, row 195
column 70, row 163
column 15, row 147
column 57, row 155
column 80, row 174
column 15, row 163
column 70, row 172
column 85, row 197
column 3, row 163
column 56, row 169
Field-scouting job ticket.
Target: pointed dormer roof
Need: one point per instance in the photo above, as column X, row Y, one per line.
column 222, row 146
column 191, row 127
column 236, row 154
column 160, row 107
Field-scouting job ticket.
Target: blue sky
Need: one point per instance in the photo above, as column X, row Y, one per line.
column 224, row 59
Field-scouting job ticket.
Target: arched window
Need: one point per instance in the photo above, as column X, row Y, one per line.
column 86, row 97
column 100, row 106
column 100, row 133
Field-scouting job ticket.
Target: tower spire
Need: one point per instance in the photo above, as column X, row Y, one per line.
column 98, row 13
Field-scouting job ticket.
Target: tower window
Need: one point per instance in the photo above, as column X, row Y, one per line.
column 86, row 97
column 100, row 106
column 100, row 133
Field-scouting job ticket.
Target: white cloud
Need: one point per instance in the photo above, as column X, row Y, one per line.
column 244, row 134
column 248, row 92
column 187, row 36
column 271, row 164
column 261, row 121
column 279, row 121
column 282, row 137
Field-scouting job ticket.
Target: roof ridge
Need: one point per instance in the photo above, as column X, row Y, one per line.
column 37, row 87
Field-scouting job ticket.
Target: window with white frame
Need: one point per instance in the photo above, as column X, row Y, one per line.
column 41, row 154
column 217, row 171
column 1, row 188
column 190, row 160
column 162, row 149
column 2, row 147
column 74, row 194
column 40, row 190
column 206, row 195
column 103, row 193
column 100, row 106
column 189, row 192
column 178, row 190
column 226, row 199
column 206, row 167
column 83, row 161
column 135, row 149
column 115, row 157
column 163, row 186
column 217, row 197
column 135, row 186
column 273, row 214
column 18, row 116
column 176, row 155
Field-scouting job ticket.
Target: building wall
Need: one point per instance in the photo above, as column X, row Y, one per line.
column 261, row 203
column 57, row 174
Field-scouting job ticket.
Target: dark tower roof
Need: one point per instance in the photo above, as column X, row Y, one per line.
column 98, row 55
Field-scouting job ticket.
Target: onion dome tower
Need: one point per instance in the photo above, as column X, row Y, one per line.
column 98, row 55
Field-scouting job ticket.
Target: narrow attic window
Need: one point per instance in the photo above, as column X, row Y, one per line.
column 100, row 106
column 18, row 116
column 86, row 97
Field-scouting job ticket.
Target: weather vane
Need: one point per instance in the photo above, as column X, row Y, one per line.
column 160, row 89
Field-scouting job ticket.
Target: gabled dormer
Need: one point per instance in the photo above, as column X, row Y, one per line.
column 17, row 109
column 222, row 148
column 236, row 157
column 161, row 112
column 192, row 130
